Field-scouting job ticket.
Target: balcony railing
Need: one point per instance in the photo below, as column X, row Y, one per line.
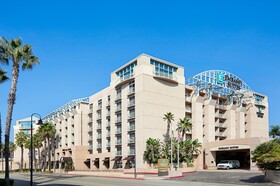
column 90, row 147
column 99, row 136
column 118, row 153
column 108, row 104
column 188, row 109
column 131, row 128
column 98, row 127
column 99, row 146
column 131, row 152
column 118, row 142
column 118, row 131
column 98, row 117
column 131, row 140
column 131, row 104
column 118, row 97
column 90, row 138
column 223, row 134
column 108, row 135
column 118, row 120
column 219, row 115
column 220, row 124
column 165, row 75
column 118, row 109
column 131, row 116
column 99, row 107
column 131, row 91
column 221, row 106
column 125, row 77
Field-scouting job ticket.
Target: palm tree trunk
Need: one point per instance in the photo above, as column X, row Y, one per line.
column 21, row 160
column 45, row 156
column 11, row 102
column 49, row 154
column 39, row 156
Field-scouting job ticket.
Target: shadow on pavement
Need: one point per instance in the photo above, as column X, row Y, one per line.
column 41, row 180
column 255, row 179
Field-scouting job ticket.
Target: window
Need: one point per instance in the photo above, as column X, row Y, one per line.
column 126, row 72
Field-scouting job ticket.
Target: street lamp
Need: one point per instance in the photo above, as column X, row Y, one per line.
column 40, row 122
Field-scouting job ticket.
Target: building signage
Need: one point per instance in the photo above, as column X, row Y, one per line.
column 163, row 165
column 231, row 82
column 228, row 148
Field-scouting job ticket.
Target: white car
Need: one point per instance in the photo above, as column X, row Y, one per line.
column 228, row 164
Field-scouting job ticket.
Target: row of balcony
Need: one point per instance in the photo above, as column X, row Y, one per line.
column 118, row 153
column 99, row 127
column 221, row 134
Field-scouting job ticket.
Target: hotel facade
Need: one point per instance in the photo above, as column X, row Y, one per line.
column 109, row 129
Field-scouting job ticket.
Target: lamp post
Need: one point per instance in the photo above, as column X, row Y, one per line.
column 40, row 122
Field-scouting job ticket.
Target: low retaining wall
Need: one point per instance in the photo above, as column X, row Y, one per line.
column 272, row 175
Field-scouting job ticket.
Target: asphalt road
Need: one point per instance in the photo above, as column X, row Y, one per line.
column 193, row 179
column 236, row 177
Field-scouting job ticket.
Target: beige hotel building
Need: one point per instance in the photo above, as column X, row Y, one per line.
column 107, row 130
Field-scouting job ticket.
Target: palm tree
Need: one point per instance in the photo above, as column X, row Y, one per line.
column 274, row 131
column 152, row 150
column 37, row 142
column 47, row 131
column 3, row 76
column 267, row 155
column 20, row 56
column 12, row 148
column 169, row 117
column 184, row 125
column 27, row 145
column 21, row 139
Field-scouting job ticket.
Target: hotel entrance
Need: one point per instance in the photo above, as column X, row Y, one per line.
column 243, row 156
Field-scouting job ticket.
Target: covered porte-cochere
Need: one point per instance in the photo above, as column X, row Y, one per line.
column 234, row 149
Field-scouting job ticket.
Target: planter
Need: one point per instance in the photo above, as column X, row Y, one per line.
column 272, row 175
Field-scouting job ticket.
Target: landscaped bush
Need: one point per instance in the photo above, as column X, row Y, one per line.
column 267, row 155
column 2, row 182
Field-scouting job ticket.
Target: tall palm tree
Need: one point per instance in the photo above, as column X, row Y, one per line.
column 21, row 139
column 274, row 131
column 152, row 150
column 47, row 131
column 3, row 76
column 20, row 56
column 27, row 145
column 169, row 117
column 37, row 142
column 12, row 148
column 184, row 125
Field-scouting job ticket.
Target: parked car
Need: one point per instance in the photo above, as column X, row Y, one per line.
column 228, row 164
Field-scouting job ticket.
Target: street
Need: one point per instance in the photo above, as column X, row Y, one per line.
column 193, row 179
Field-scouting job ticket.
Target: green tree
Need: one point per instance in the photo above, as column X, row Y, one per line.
column 3, row 76
column 47, row 131
column 274, row 131
column 152, row 150
column 20, row 56
column 169, row 117
column 267, row 155
column 12, row 148
column 184, row 125
column 21, row 139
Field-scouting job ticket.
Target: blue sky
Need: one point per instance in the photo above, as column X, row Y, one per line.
column 79, row 43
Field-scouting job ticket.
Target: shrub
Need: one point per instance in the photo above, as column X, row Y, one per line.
column 267, row 155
